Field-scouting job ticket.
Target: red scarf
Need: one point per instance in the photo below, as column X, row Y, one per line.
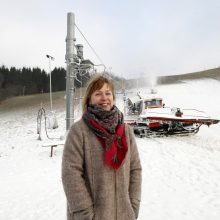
column 109, row 128
column 115, row 145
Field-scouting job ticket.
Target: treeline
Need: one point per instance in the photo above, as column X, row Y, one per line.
column 26, row 81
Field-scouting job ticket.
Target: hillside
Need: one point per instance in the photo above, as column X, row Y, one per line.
column 35, row 101
column 173, row 79
column 212, row 73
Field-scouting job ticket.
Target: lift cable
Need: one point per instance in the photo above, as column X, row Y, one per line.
column 90, row 46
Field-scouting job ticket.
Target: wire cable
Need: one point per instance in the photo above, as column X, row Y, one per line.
column 90, row 46
column 102, row 63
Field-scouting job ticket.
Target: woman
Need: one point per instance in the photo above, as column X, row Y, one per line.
column 101, row 170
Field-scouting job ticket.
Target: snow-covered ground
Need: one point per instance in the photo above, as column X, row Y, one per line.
column 181, row 175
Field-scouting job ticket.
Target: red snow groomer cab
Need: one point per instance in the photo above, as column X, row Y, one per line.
column 149, row 116
column 152, row 103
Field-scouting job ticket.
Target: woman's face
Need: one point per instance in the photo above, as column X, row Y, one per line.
column 103, row 98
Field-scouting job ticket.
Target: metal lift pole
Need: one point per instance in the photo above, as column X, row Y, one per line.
column 70, row 69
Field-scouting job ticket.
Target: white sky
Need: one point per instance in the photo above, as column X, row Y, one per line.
column 133, row 38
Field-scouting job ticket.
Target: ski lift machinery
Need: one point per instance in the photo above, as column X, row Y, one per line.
column 77, row 67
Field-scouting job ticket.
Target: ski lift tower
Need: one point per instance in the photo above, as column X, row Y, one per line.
column 70, row 41
column 76, row 66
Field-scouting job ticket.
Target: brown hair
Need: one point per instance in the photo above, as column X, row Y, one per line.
column 95, row 84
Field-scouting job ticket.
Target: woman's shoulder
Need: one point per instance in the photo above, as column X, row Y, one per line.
column 128, row 127
column 128, row 130
column 78, row 129
column 79, row 125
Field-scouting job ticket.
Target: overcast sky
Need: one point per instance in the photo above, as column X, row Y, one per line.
column 132, row 37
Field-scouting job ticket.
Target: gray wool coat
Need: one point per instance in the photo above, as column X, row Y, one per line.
column 93, row 190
